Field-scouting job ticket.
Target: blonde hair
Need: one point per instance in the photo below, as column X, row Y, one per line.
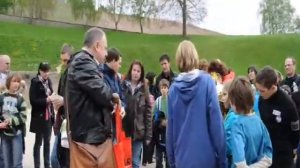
column 186, row 56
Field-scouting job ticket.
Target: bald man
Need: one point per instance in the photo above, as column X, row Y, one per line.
column 89, row 105
column 4, row 70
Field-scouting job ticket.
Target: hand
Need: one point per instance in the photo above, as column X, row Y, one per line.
column 116, row 98
column 147, row 142
column 163, row 123
column 4, row 124
column 57, row 101
column 122, row 112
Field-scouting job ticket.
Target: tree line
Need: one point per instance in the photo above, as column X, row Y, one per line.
column 277, row 16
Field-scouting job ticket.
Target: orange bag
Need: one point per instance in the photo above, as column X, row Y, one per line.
column 122, row 145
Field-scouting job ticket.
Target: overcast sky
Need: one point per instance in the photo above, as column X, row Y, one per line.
column 236, row 17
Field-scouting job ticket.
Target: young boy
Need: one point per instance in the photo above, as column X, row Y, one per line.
column 160, row 123
column 250, row 141
column 12, row 124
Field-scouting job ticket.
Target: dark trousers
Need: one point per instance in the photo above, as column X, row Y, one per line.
column 160, row 155
column 282, row 160
column 45, row 138
column 63, row 154
column 148, row 151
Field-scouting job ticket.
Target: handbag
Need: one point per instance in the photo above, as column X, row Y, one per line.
column 122, row 144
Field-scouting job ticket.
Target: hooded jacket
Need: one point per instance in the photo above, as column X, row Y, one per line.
column 195, row 133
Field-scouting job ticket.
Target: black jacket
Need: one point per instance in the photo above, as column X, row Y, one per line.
column 137, row 122
column 290, row 81
column 88, row 100
column 38, row 101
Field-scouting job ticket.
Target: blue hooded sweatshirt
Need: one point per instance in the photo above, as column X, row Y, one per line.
column 195, row 133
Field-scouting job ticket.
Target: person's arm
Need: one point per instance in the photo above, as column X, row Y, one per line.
column 237, row 142
column 266, row 160
column 170, row 147
column 294, row 124
column 215, row 124
column 148, row 117
column 35, row 100
column 87, row 76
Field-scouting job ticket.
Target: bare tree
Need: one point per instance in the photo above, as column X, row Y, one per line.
column 84, row 9
column 115, row 9
column 142, row 10
column 193, row 11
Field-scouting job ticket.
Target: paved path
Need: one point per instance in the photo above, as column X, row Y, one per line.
column 30, row 138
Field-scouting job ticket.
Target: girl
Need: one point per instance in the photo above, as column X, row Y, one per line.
column 138, row 119
column 13, row 121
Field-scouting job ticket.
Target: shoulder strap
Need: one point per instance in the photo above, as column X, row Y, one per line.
column 159, row 103
column 1, row 103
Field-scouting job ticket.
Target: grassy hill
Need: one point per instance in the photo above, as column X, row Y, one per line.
column 28, row 45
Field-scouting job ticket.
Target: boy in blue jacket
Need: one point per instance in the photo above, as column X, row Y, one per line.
column 250, row 142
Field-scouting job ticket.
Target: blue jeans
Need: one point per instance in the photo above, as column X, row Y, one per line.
column 54, row 156
column 136, row 153
column 12, row 148
column 1, row 154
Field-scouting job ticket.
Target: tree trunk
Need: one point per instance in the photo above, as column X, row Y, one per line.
column 141, row 26
column 116, row 25
column 184, row 17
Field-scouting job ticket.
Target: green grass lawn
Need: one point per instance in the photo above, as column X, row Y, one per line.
column 28, row 45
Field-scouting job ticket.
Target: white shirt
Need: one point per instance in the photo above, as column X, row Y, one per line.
column 3, row 78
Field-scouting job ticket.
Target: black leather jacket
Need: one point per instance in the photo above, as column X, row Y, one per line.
column 88, row 100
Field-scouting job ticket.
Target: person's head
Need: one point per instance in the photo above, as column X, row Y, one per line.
column 266, row 82
column 241, row 95
column 13, row 82
column 187, row 56
column 164, row 87
column 252, row 72
column 290, row 66
column 164, row 61
column 114, row 59
column 65, row 53
column 224, row 94
column 150, row 77
column 44, row 69
column 218, row 67
column 203, row 65
column 4, row 63
column 95, row 41
column 136, row 72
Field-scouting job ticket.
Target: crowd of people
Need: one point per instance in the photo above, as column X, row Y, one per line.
column 204, row 116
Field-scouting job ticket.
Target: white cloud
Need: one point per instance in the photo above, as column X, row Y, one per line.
column 236, row 17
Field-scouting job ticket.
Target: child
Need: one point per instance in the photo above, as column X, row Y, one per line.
column 160, row 120
column 250, row 142
column 13, row 120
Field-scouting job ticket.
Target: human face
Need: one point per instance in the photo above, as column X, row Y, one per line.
column 44, row 75
column 5, row 64
column 165, row 65
column 136, row 73
column 116, row 65
column 290, row 68
column 14, row 85
column 64, row 58
column 224, row 98
column 164, row 90
column 101, row 50
column 265, row 92
column 251, row 75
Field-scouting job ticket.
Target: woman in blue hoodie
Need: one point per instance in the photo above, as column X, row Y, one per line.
column 195, row 133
